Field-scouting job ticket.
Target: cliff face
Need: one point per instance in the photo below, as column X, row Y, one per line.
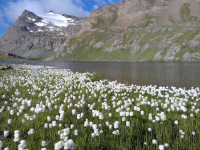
column 132, row 30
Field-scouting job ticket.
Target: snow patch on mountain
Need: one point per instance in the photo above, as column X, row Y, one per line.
column 55, row 19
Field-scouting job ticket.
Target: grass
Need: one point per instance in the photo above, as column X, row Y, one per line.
column 66, row 91
column 113, row 19
column 171, row 19
column 100, row 23
column 185, row 14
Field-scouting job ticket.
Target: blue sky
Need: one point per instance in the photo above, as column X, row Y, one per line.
column 11, row 9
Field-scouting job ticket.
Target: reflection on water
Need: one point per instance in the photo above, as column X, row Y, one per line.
column 139, row 73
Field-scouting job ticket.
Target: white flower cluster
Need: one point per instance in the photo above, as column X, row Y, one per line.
column 103, row 101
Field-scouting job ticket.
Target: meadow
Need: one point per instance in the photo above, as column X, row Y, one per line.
column 45, row 108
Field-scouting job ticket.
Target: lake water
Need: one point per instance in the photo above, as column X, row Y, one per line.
column 139, row 73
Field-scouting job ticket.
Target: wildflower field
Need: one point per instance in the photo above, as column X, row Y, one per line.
column 44, row 108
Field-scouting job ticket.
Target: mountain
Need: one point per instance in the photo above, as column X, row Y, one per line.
column 132, row 30
column 36, row 36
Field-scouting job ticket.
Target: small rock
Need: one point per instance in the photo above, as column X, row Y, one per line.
column 5, row 68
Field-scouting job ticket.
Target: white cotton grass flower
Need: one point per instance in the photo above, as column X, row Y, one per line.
column 16, row 136
column 54, row 124
column 73, row 111
column 78, row 116
column 145, row 143
column 66, row 131
column 31, row 131
column 66, row 139
column 9, row 121
column 123, row 119
column 193, row 133
column 69, row 145
column 149, row 129
column 62, row 136
column 157, row 118
column 76, row 132
column 57, row 117
column 22, row 144
column 16, row 132
column 176, row 122
column 48, row 118
column 96, row 132
column 116, row 124
column 90, row 123
column 127, row 114
column 154, row 141
column 46, row 125
column 161, row 147
column 184, row 116
column 101, row 116
column 6, row 148
column 116, row 132
column 43, row 143
column 23, row 120
column 11, row 112
column 142, row 112
column 166, row 145
column 6, row 133
column 128, row 123
column 8, row 108
column 86, row 123
column 94, row 126
column 82, row 114
column 93, row 134
column 150, row 117
column 58, row 145
column 107, row 123
column 71, row 126
column 110, row 115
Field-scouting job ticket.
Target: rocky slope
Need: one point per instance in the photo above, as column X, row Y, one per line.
column 32, row 36
column 134, row 30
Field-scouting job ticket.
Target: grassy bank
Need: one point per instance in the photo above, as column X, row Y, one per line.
column 49, row 108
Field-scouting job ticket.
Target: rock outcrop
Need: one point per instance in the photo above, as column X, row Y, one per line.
column 6, row 68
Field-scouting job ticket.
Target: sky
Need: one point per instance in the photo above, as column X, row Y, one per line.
column 10, row 10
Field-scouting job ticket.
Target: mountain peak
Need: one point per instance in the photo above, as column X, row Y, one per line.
column 51, row 12
column 39, row 33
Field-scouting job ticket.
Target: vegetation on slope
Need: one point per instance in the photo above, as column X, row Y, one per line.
column 173, row 44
